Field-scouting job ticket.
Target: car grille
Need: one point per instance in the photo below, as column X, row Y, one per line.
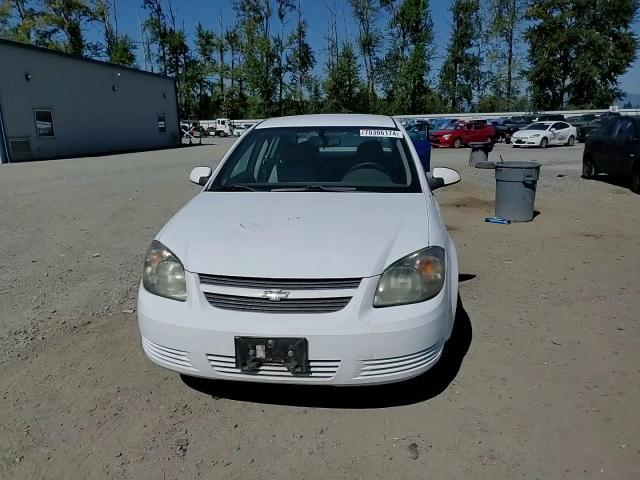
column 403, row 364
column 226, row 364
column 166, row 355
column 289, row 305
column 282, row 283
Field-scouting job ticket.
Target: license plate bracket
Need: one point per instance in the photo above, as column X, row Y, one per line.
column 253, row 352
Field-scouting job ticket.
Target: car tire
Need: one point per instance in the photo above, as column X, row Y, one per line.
column 635, row 178
column 571, row 141
column 544, row 142
column 457, row 143
column 220, row 133
column 588, row 168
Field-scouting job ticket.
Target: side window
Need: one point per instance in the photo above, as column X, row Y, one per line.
column 44, row 122
column 609, row 127
column 555, row 126
column 562, row 125
column 625, row 129
column 162, row 125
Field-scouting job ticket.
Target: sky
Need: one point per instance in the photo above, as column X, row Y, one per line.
column 190, row 12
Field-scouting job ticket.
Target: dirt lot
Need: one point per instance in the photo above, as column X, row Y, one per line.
column 541, row 379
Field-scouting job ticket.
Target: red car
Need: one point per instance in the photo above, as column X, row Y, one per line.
column 463, row 133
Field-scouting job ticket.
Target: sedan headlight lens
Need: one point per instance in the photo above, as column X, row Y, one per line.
column 447, row 136
column 163, row 273
column 535, row 135
column 414, row 278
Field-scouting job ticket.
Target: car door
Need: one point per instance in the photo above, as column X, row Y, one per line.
column 600, row 145
column 559, row 135
column 622, row 155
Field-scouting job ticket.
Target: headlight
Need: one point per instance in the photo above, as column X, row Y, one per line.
column 414, row 278
column 535, row 135
column 446, row 137
column 163, row 273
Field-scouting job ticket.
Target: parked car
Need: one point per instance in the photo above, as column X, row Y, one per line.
column 614, row 149
column 581, row 120
column 328, row 261
column 550, row 117
column 543, row 134
column 515, row 123
column 584, row 131
column 419, row 135
column 463, row 133
column 500, row 128
column 442, row 123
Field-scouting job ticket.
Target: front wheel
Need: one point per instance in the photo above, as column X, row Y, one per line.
column 571, row 141
column 457, row 143
column 588, row 168
column 544, row 142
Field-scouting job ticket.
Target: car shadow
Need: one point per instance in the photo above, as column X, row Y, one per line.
column 615, row 180
column 419, row 389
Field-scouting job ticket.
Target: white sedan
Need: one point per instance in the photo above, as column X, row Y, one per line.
column 315, row 253
column 543, row 134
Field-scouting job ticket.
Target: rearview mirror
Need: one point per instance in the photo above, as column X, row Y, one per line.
column 441, row 177
column 200, row 175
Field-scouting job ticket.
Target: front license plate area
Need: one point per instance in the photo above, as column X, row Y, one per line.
column 253, row 352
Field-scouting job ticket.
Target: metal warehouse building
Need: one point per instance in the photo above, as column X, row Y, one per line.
column 53, row 104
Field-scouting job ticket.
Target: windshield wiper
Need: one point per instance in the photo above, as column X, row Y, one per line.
column 314, row 188
column 232, row 188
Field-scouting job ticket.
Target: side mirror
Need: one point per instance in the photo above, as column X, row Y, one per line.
column 441, row 177
column 552, row 129
column 200, row 175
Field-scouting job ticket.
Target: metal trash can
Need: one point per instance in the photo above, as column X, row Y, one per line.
column 479, row 152
column 516, row 184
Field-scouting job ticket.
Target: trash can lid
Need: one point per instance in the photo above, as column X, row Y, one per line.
column 520, row 164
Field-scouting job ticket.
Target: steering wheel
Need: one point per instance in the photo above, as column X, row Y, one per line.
column 368, row 165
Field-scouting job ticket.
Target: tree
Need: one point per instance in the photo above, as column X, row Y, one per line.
column 156, row 27
column 254, row 19
column 20, row 22
column 119, row 49
column 300, row 61
column 504, row 30
column 62, row 23
column 406, row 65
column 343, row 85
column 284, row 7
column 366, row 15
column 459, row 72
column 578, row 50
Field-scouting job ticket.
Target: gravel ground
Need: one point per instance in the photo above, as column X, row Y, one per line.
column 541, row 378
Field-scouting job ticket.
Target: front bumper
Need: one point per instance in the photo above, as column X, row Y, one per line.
column 353, row 346
column 526, row 142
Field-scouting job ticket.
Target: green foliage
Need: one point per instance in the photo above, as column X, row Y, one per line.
column 578, row 49
column 263, row 64
column 344, row 90
column 405, row 68
column 460, row 71
column 503, row 35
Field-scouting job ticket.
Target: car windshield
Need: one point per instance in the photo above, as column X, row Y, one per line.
column 536, row 126
column 320, row 159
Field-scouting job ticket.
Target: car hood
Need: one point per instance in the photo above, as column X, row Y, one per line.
column 297, row 234
column 528, row 133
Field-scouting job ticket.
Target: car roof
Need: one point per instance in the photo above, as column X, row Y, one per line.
column 330, row 120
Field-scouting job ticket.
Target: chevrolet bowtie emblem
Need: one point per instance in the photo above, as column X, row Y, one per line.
column 275, row 295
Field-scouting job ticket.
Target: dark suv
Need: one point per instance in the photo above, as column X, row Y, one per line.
column 614, row 149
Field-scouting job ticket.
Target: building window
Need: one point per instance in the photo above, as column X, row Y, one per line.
column 162, row 125
column 44, row 122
